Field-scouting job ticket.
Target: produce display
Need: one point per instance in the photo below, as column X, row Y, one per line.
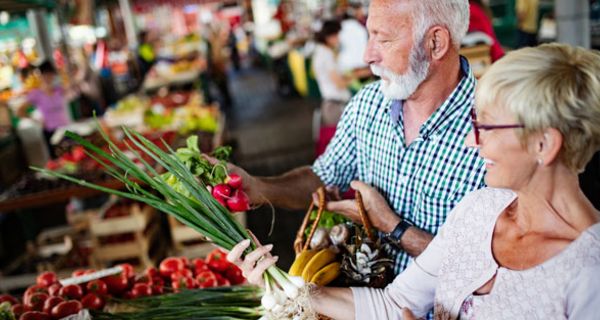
column 48, row 299
column 183, row 191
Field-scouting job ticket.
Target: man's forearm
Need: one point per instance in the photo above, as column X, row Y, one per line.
column 291, row 190
column 415, row 240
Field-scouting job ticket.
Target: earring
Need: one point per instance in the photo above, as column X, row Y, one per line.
column 540, row 162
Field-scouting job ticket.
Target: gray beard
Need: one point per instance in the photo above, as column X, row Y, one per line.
column 402, row 86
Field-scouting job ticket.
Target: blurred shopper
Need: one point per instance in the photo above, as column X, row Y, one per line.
column 332, row 84
column 51, row 99
column 89, row 84
column 146, row 53
column 481, row 20
column 527, row 22
column 353, row 43
column 218, row 61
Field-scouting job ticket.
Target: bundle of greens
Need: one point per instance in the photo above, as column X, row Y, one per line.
column 184, row 191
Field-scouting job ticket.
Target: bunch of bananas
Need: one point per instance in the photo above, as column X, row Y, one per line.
column 316, row 266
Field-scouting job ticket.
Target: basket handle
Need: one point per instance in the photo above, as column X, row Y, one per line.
column 300, row 245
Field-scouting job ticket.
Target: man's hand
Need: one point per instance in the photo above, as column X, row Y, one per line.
column 381, row 215
column 250, row 184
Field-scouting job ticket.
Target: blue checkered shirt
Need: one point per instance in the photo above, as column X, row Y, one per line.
column 423, row 181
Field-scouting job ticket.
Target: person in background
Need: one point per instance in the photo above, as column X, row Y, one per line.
column 527, row 22
column 527, row 246
column 353, row 39
column 332, row 84
column 145, row 53
column 51, row 99
column 481, row 20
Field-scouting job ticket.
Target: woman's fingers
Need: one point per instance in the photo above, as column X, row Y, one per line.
column 256, row 276
column 235, row 255
column 252, row 258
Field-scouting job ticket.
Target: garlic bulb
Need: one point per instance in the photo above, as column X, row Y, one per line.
column 320, row 239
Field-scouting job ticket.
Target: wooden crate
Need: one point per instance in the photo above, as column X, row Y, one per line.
column 188, row 242
column 479, row 58
column 142, row 223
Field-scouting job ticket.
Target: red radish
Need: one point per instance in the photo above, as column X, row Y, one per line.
column 238, row 202
column 222, row 201
column 46, row 278
column 221, row 191
column 234, row 180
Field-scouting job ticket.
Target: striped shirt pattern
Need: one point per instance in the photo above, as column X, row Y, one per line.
column 423, row 181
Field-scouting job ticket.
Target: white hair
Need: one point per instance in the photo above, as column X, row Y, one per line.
column 452, row 14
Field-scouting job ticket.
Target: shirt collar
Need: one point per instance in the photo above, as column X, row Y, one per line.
column 462, row 95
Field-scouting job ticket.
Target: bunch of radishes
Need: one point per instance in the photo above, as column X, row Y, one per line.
column 230, row 194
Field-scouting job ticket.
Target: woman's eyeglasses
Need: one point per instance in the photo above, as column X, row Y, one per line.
column 477, row 126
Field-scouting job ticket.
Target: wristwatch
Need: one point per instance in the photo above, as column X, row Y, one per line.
column 399, row 230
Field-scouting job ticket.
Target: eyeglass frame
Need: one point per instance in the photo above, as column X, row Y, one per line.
column 486, row 127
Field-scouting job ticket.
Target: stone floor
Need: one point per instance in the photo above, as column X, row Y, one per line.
column 271, row 135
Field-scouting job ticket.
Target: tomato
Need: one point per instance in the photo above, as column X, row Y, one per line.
column 184, row 283
column 141, row 290
column 185, row 260
column 78, row 153
column 18, row 309
column 7, row 297
column 31, row 290
column 116, row 283
column 35, row 315
column 66, row 308
column 199, row 265
column 181, row 273
column 169, row 266
column 128, row 271
column 234, row 275
column 206, row 279
column 92, row 302
column 217, row 261
column 78, row 273
column 152, row 272
column 98, row 287
column 36, row 301
column 50, row 303
column 54, row 289
column 71, row 291
column 158, row 289
column 222, row 281
column 46, row 278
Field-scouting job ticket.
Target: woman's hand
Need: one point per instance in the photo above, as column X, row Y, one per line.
column 254, row 264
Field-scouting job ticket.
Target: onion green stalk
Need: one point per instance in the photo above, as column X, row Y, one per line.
column 181, row 191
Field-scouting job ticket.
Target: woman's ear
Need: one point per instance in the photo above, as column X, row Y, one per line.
column 550, row 144
column 439, row 42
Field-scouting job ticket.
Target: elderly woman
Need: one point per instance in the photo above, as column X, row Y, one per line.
column 526, row 247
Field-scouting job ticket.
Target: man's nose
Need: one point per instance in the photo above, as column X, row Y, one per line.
column 371, row 55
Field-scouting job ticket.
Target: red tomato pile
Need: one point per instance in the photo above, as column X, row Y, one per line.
column 47, row 299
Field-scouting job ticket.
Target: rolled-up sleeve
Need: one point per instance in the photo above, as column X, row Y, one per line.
column 338, row 165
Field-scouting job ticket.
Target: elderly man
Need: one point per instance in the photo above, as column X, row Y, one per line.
column 403, row 135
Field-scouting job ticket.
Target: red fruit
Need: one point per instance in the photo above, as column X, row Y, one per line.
column 7, row 297
column 169, row 266
column 217, row 261
column 238, row 202
column 184, row 283
column 71, row 291
column 206, row 279
column 92, row 302
column 35, row 315
column 66, row 308
column 157, row 281
column 199, row 265
column 78, row 153
column 234, row 180
column 234, row 275
column 50, row 303
column 181, row 273
column 185, row 260
column 18, row 309
column 128, row 271
column 32, row 290
column 158, row 289
column 36, row 301
column 222, row 281
column 78, row 273
column 54, row 289
column 98, row 287
column 141, row 290
column 221, row 191
column 116, row 283
column 46, row 278
column 152, row 272
column 52, row 164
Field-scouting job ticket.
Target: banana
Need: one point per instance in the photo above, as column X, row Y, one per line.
column 321, row 259
column 301, row 260
column 327, row 274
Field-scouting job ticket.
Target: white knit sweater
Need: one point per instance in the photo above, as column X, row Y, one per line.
column 459, row 260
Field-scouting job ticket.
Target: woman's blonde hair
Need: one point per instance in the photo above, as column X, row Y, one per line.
column 550, row 86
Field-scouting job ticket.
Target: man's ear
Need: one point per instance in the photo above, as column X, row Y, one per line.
column 438, row 42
